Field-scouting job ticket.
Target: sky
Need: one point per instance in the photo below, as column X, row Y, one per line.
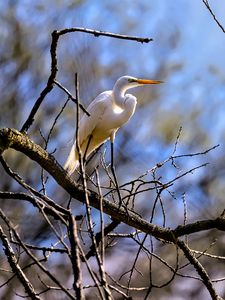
column 187, row 53
column 183, row 31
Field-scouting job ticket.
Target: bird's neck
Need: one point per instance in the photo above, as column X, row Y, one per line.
column 118, row 95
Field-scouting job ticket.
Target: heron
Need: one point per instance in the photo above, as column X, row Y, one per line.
column 109, row 111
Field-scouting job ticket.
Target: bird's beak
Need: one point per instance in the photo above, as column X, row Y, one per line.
column 148, row 81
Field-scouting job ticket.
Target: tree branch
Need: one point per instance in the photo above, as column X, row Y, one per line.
column 75, row 258
column 213, row 15
column 54, row 64
column 16, row 268
column 11, row 138
column 199, row 268
column 33, row 257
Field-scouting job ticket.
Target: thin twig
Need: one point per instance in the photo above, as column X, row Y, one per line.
column 34, row 201
column 47, row 141
column 20, row 142
column 213, row 15
column 195, row 154
column 58, row 209
column 98, row 33
column 102, row 267
column 177, row 140
column 54, row 63
column 43, row 248
column 85, row 189
column 108, row 228
column 101, row 218
column 29, row 253
column 71, row 97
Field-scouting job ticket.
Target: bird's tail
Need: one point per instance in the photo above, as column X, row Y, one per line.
column 72, row 161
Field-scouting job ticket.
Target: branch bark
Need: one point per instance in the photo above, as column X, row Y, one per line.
column 16, row 268
column 11, row 138
column 199, row 268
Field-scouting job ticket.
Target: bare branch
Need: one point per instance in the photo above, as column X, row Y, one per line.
column 71, row 96
column 199, row 268
column 98, row 237
column 75, row 258
column 213, row 15
column 54, row 63
column 20, row 180
column 98, row 33
column 29, row 253
column 20, row 142
column 16, row 268
column 49, row 210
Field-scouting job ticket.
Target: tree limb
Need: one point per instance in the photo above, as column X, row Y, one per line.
column 54, row 64
column 16, row 268
column 199, row 268
column 11, row 138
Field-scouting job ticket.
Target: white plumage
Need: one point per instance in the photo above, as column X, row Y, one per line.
column 108, row 112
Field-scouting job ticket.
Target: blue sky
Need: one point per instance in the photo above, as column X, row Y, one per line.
column 199, row 44
column 187, row 53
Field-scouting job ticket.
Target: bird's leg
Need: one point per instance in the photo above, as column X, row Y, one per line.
column 114, row 173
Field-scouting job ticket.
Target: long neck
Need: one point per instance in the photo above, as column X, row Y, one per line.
column 119, row 93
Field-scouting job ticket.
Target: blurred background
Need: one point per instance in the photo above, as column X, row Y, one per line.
column 187, row 54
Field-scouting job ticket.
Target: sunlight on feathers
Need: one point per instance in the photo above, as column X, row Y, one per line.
column 117, row 109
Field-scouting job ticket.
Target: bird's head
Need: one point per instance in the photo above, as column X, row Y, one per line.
column 128, row 82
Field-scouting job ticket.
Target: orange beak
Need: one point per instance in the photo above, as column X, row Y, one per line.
column 148, row 81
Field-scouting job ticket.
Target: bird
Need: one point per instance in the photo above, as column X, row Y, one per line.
column 109, row 111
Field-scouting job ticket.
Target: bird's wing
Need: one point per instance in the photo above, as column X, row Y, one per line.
column 96, row 110
column 86, row 126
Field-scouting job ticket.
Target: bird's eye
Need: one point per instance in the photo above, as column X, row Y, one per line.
column 131, row 80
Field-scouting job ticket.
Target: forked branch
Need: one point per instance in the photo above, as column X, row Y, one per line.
column 11, row 138
column 54, row 64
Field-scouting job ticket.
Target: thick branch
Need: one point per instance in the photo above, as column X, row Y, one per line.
column 218, row 223
column 199, row 268
column 11, row 138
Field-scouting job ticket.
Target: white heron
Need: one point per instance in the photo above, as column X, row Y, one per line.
column 108, row 112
